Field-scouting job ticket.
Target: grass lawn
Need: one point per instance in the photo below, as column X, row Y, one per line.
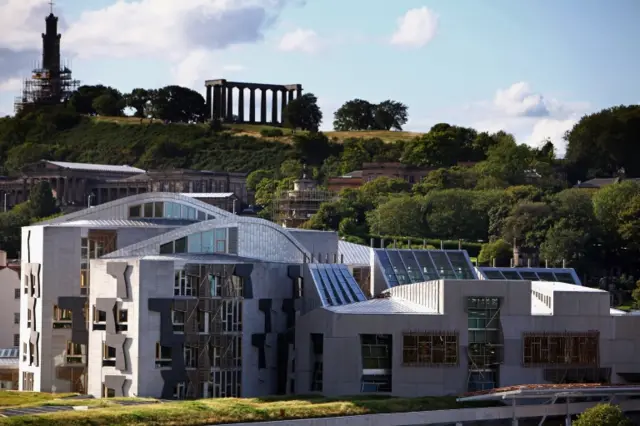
column 23, row 399
column 221, row 411
column 255, row 129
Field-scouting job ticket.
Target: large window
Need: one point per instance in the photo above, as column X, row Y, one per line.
column 214, row 241
column 376, row 362
column 61, row 317
column 184, row 284
column 163, row 356
column 574, row 349
column 74, row 353
column 430, row 349
column 168, row 210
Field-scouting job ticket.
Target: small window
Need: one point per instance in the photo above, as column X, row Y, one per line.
column 122, row 316
column 16, row 318
column 108, row 392
column 201, row 216
column 16, row 293
column 181, row 245
column 16, row 340
column 163, row 356
column 158, row 209
column 166, row 248
column 108, row 355
column 148, row 210
column 134, row 212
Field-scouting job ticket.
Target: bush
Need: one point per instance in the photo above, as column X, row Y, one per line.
column 271, row 133
column 603, row 415
column 499, row 250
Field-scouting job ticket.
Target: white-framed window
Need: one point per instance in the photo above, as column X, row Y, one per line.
column 190, row 357
column 177, row 318
column 183, row 284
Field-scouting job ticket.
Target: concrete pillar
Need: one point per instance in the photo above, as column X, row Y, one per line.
column 209, row 105
column 230, row 104
column 274, row 107
column 241, row 104
column 223, row 102
column 252, row 105
column 217, row 101
column 58, row 189
column 284, row 105
column 263, row 106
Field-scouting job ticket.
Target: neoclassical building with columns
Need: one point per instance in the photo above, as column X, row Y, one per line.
column 80, row 184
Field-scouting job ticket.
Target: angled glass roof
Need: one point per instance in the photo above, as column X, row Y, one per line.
column 414, row 266
column 563, row 275
column 335, row 284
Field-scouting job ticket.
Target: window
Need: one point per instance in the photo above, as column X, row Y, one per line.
column 99, row 319
column 134, row 212
column 123, row 316
column 163, row 356
column 203, row 322
column 430, row 349
column 179, row 391
column 108, row 392
column 376, row 351
column 61, row 317
column 180, row 246
column 16, row 293
column 207, row 242
column 177, row 318
column 158, row 209
column 148, row 210
column 28, row 318
column 16, row 340
column 184, row 284
column 166, row 248
column 74, row 353
column 575, row 349
column 16, row 318
column 221, row 240
column 190, row 357
column 108, row 355
column 27, row 381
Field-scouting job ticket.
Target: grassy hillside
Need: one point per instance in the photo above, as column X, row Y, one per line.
column 254, row 130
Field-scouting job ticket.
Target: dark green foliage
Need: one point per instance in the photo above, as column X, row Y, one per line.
column 303, row 113
column 359, row 114
column 271, row 133
column 41, row 201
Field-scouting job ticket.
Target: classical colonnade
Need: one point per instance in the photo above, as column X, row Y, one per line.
column 221, row 105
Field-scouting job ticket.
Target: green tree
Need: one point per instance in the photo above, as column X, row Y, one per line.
column 11, row 224
column 603, row 415
column 447, row 178
column 83, row 99
column 398, row 216
column 303, row 113
column 356, row 114
column 178, row 104
column 389, row 115
column 456, row 214
column 498, row 250
column 256, row 176
column 108, row 104
column 28, row 153
column 41, row 202
column 527, row 224
column 600, row 144
column 138, row 100
column 563, row 241
column 629, row 228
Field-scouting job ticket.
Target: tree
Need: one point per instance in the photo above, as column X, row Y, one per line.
column 303, row 113
column 138, row 100
column 41, row 202
column 527, row 224
column 389, row 115
column 108, row 104
column 602, row 415
column 399, row 216
column 498, row 250
column 354, row 115
column 83, row 99
column 178, row 104
column 255, row 177
column 600, row 144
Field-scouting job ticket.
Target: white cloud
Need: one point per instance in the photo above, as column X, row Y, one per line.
column 10, row 85
column 300, row 40
column 531, row 117
column 416, row 28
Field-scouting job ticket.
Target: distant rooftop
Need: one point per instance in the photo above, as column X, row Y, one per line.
column 208, row 194
column 96, row 167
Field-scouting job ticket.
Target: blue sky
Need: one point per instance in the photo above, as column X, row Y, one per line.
column 530, row 67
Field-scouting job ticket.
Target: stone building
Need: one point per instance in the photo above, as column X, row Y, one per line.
column 79, row 185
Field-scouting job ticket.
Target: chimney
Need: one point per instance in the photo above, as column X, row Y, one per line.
column 3, row 258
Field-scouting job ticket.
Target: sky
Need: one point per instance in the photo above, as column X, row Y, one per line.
column 529, row 67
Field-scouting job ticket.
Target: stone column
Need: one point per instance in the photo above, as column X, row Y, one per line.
column 252, row 106
column 58, row 190
column 298, row 91
column 230, row 104
column 223, row 102
column 284, row 104
column 241, row 104
column 263, row 106
column 291, row 93
column 274, row 107
column 209, row 106
column 217, row 96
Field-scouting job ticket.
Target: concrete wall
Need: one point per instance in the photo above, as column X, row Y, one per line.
column 574, row 312
column 318, row 242
column 9, row 305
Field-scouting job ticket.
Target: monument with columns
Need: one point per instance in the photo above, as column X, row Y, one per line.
column 220, row 96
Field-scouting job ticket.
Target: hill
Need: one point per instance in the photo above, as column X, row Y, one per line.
column 257, row 131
